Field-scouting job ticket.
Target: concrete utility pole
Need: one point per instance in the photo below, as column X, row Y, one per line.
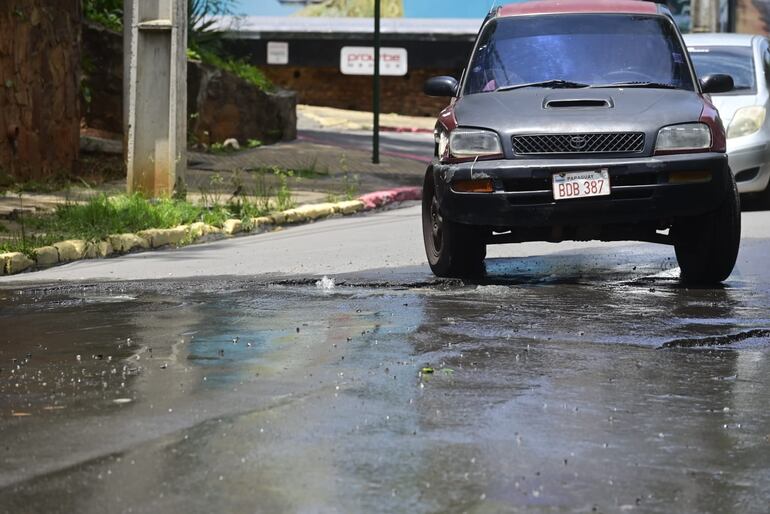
column 705, row 15
column 155, row 95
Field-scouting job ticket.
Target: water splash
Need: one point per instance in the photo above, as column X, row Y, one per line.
column 325, row 284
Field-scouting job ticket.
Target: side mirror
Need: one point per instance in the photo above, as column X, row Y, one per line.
column 441, row 86
column 717, row 83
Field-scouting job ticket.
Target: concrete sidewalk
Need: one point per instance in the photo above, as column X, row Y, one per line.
column 318, row 169
column 320, row 172
column 342, row 119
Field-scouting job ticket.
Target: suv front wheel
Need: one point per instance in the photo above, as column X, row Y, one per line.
column 707, row 246
column 453, row 250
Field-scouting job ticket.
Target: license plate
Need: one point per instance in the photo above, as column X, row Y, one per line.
column 581, row 184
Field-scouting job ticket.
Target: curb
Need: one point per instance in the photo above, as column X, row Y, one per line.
column 382, row 198
column 408, row 130
column 117, row 244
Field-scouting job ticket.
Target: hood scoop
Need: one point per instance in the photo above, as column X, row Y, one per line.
column 577, row 103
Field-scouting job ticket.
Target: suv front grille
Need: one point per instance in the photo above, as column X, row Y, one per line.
column 605, row 142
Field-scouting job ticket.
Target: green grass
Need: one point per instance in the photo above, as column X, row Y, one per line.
column 108, row 13
column 241, row 68
column 219, row 148
column 102, row 216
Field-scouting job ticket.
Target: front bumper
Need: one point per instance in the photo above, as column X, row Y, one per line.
column 642, row 191
column 749, row 159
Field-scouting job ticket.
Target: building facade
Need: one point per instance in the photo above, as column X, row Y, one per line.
column 299, row 44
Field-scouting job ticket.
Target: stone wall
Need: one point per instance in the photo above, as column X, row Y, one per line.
column 221, row 105
column 224, row 106
column 102, row 85
column 39, row 72
column 330, row 88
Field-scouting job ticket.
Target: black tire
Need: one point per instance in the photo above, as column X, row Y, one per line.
column 707, row 246
column 453, row 250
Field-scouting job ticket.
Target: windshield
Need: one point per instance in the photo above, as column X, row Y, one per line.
column 578, row 48
column 736, row 61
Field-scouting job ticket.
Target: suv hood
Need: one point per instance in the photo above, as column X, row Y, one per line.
column 526, row 111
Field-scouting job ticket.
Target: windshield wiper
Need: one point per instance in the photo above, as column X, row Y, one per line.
column 653, row 85
column 546, row 83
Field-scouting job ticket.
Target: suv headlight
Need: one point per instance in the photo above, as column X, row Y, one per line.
column 468, row 143
column 746, row 121
column 684, row 138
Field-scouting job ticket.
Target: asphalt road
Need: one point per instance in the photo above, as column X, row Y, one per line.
column 387, row 245
column 229, row 377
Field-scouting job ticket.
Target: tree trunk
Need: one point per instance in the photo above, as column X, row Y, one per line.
column 39, row 88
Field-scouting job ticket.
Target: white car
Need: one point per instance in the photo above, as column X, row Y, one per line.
column 746, row 58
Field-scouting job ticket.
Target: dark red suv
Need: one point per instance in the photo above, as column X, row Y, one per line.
column 580, row 120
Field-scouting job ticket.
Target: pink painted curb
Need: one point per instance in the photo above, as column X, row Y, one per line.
column 382, row 198
column 413, row 130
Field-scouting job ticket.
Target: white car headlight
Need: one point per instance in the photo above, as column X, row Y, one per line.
column 474, row 143
column 685, row 137
column 746, row 121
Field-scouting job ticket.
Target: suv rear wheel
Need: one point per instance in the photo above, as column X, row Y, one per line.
column 453, row 250
column 707, row 246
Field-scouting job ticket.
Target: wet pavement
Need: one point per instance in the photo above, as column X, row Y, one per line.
column 571, row 382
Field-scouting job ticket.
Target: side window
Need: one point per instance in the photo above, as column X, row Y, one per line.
column 479, row 73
